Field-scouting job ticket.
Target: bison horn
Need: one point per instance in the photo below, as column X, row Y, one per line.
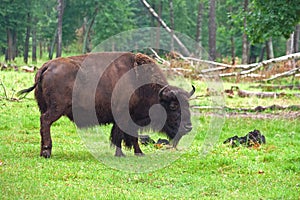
column 161, row 91
column 192, row 91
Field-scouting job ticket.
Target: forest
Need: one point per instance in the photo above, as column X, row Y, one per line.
column 248, row 31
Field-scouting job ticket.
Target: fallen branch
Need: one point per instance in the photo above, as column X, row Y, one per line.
column 156, row 16
column 276, row 87
column 247, row 68
column 159, row 59
column 284, row 74
column 244, row 93
column 256, row 109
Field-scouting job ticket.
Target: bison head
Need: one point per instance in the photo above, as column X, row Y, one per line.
column 176, row 103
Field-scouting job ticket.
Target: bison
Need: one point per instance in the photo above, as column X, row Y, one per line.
column 83, row 89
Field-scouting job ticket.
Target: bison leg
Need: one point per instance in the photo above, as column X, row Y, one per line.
column 136, row 146
column 46, row 121
column 117, row 136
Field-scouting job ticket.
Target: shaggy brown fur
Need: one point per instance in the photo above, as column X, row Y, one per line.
column 81, row 88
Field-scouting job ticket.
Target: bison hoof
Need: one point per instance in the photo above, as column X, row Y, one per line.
column 119, row 153
column 45, row 154
column 139, row 154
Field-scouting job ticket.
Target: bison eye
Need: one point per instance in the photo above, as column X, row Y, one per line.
column 173, row 106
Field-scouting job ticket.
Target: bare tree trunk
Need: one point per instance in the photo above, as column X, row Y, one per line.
column 290, row 50
column 232, row 50
column 60, row 11
column 10, row 52
column 51, row 48
column 245, row 39
column 87, row 31
column 26, row 45
column 269, row 48
column 41, row 49
column 199, row 25
column 34, row 42
column 158, row 26
column 212, row 29
column 172, row 23
column 296, row 38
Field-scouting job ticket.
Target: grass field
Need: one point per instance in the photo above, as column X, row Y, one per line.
column 269, row 172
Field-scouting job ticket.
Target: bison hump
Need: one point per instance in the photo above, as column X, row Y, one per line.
column 142, row 59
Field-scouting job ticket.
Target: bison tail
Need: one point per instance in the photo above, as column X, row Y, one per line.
column 25, row 91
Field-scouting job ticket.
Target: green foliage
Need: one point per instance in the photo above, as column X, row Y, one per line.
column 272, row 19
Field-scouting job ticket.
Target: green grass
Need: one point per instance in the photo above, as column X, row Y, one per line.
column 270, row 172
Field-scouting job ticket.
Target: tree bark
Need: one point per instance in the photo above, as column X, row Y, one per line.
column 51, row 48
column 158, row 26
column 41, row 49
column 245, row 39
column 60, row 11
column 172, row 23
column 34, row 44
column 87, row 31
column 296, row 38
column 212, row 29
column 26, row 45
column 9, row 50
column 199, row 26
column 269, row 48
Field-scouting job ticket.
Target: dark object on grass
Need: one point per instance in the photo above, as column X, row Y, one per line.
column 253, row 138
column 88, row 90
column 145, row 140
column 162, row 141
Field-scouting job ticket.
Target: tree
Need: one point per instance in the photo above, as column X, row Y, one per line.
column 245, row 37
column 272, row 18
column 60, row 11
column 212, row 29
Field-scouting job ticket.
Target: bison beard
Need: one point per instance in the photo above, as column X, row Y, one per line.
column 56, row 81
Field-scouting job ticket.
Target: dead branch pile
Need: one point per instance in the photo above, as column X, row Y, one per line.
column 197, row 68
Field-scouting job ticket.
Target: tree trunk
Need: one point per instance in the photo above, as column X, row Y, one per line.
column 253, row 56
column 51, row 48
column 158, row 26
column 34, row 43
column 199, row 26
column 60, row 11
column 232, row 51
column 296, row 38
column 212, row 29
column 41, row 49
column 245, row 39
column 172, row 23
column 269, row 48
column 290, row 50
column 10, row 49
column 87, row 31
column 26, row 45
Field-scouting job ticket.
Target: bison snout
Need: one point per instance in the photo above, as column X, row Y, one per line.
column 188, row 127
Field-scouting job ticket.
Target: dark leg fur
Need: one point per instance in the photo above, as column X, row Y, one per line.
column 46, row 121
column 116, row 139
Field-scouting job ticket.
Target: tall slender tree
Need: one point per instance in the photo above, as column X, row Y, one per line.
column 245, row 48
column 60, row 11
column 212, row 27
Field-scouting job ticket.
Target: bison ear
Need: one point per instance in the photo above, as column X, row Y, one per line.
column 192, row 91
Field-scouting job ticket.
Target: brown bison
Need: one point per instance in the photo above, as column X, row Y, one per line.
column 85, row 89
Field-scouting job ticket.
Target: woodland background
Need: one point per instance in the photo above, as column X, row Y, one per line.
column 246, row 30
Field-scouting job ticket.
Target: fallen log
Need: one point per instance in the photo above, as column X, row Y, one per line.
column 273, row 107
column 276, row 87
column 284, row 74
